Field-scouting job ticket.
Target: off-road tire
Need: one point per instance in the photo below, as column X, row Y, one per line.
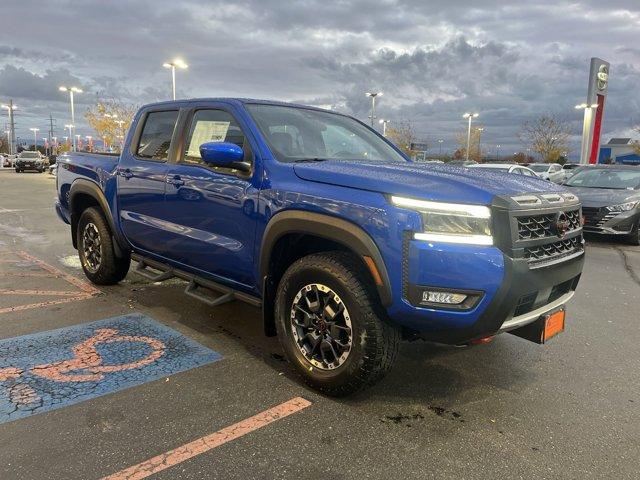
column 375, row 341
column 111, row 268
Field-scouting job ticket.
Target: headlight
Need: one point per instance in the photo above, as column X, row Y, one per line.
column 623, row 207
column 450, row 222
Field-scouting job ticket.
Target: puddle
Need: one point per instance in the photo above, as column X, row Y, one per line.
column 72, row 261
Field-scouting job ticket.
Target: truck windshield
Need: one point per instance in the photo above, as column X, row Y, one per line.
column 29, row 155
column 298, row 134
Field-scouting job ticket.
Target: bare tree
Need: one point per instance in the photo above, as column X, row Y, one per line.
column 547, row 135
column 4, row 143
column 110, row 119
column 402, row 134
column 475, row 152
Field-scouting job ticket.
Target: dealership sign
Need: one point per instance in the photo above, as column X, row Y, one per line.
column 594, row 110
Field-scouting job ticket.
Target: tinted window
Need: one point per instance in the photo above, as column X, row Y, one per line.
column 212, row 126
column 540, row 167
column 29, row 155
column 156, row 135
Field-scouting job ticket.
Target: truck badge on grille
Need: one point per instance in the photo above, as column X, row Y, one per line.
column 561, row 225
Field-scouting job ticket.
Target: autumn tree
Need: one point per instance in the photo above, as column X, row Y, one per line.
column 402, row 134
column 475, row 151
column 110, row 119
column 548, row 135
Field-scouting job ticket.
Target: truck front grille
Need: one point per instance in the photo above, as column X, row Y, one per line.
column 540, row 255
column 541, row 226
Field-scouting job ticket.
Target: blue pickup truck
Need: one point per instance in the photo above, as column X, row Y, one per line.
column 346, row 244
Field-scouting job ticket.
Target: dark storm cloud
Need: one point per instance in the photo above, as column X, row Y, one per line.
column 433, row 60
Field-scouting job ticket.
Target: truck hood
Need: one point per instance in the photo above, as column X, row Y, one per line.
column 602, row 197
column 438, row 182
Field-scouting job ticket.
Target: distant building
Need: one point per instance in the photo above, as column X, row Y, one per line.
column 619, row 150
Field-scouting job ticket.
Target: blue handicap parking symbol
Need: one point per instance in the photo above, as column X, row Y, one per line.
column 54, row 369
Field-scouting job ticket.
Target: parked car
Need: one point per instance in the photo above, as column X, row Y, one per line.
column 570, row 169
column 30, row 160
column 3, row 159
column 53, row 169
column 507, row 168
column 610, row 196
column 549, row 171
column 312, row 215
column 462, row 163
column 9, row 160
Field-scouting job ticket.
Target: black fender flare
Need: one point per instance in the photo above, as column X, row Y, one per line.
column 87, row 187
column 332, row 228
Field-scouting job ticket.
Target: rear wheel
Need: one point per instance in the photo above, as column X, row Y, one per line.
column 331, row 325
column 96, row 250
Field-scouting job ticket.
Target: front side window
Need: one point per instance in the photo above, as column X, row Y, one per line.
column 155, row 139
column 299, row 134
column 539, row 167
column 212, row 126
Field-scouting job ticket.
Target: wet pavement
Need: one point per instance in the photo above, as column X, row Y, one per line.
column 138, row 380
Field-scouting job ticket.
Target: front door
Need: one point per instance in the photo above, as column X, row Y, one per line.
column 142, row 172
column 212, row 209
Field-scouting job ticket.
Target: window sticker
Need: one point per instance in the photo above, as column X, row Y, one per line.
column 206, row 131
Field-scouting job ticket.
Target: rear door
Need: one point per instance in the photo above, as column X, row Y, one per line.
column 212, row 210
column 142, row 172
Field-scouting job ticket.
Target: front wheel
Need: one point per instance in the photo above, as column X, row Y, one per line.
column 96, row 250
column 634, row 237
column 331, row 325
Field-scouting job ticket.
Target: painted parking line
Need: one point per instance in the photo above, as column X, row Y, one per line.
column 54, row 369
column 204, row 444
column 83, row 289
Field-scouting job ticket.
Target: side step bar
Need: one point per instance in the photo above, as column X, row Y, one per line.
column 158, row 272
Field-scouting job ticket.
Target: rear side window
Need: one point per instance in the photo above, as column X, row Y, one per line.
column 213, row 126
column 155, row 139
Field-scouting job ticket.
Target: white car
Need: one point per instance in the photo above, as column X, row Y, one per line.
column 506, row 167
column 549, row 171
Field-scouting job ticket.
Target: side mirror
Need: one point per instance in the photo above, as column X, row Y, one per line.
column 224, row 154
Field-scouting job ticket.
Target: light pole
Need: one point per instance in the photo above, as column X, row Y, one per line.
column 71, row 91
column 384, row 126
column 46, row 147
column 480, row 130
column 35, row 137
column 373, row 96
column 440, row 141
column 469, row 116
column 89, row 143
column 11, row 135
column 70, row 128
column 173, row 65
column 498, row 151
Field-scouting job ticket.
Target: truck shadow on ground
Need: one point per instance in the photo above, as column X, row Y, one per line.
column 424, row 373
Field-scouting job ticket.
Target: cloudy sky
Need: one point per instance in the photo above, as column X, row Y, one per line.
column 433, row 59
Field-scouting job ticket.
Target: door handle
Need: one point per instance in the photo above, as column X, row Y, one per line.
column 175, row 180
column 126, row 173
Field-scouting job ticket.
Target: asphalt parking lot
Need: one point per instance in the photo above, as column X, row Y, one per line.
column 137, row 379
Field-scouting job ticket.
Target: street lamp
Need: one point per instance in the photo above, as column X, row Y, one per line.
column 71, row 91
column 70, row 128
column 10, row 136
column 440, row 141
column 469, row 116
column 35, row 137
column 373, row 96
column 498, row 151
column 384, row 126
column 173, row 65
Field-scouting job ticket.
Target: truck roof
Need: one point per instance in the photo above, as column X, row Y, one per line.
column 237, row 100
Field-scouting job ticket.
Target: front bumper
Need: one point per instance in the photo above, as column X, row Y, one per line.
column 529, row 272
column 610, row 223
